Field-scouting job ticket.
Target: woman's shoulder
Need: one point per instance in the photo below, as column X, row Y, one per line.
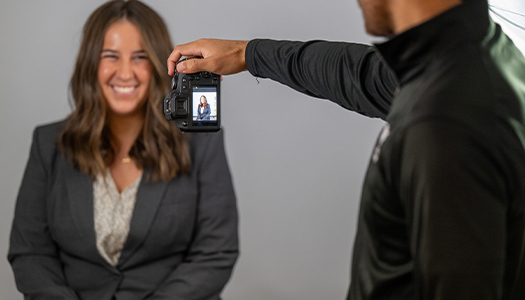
column 45, row 136
column 205, row 139
column 201, row 143
column 50, row 129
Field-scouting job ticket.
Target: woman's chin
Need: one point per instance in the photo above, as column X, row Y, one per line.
column 125, row 111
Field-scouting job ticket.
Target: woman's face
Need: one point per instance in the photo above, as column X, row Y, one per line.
column 203, row 100
column 124, row 70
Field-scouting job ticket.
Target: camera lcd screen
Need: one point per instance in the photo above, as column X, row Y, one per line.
column 205, row 105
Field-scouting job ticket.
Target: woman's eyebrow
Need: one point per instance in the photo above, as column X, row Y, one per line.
column 115, row 51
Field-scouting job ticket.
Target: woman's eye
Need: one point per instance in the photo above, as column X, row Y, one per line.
column 110, row 56
column 140, row 57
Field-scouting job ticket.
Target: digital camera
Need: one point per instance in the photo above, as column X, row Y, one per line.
column 194, row 102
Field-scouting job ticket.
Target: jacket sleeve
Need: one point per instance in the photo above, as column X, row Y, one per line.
column 456, row 198
column 349, row 74
column 32, row 252
column 207, row 114
column 214, row 248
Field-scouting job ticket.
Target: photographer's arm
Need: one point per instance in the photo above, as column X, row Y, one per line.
column 32, row 252
column 349, row 74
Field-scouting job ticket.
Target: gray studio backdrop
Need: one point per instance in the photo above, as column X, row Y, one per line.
column 297, row 162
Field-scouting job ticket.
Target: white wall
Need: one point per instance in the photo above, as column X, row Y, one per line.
column 298, row 179
column 510, row 14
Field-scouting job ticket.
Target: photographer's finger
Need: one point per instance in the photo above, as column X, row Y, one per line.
column 192, row 66
column 188, row 49
column 172, row 61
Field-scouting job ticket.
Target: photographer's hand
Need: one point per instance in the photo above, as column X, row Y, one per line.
column 221, row 57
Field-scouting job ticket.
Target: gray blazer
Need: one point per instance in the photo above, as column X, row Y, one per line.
column 205, row 115
column 182, row 242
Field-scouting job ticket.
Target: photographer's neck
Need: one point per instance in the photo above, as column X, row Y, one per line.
column 407, row 14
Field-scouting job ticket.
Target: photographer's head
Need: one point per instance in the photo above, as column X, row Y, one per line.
column 119, row 72
column 387, row 17
column 377, row 17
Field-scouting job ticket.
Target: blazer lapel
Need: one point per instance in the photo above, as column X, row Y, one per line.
column 149, row 196
column 80, row 195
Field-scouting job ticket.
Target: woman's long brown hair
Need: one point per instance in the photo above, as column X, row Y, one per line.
column 205, row 104
column 86, row 138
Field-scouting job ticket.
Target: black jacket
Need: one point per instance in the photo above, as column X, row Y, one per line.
column 182, row 242
column 442, row 212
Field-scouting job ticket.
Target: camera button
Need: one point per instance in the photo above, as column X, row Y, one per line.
column 174, row 82
column 184, row 80
column 184, row 87
column 191, row 78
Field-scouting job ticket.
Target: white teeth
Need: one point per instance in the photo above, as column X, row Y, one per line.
column 123, row 90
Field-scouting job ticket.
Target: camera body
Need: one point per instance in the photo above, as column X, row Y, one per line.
column 194, row 102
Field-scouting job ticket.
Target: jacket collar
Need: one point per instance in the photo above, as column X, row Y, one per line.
column 80, row 194
column 408, row 53
column 149, row 197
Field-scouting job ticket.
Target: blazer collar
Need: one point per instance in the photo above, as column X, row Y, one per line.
column 80, row 194
column 149, row 197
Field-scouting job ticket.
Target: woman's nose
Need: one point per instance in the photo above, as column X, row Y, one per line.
column 125, row 70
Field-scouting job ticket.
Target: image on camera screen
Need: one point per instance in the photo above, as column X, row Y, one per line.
column 204, row 105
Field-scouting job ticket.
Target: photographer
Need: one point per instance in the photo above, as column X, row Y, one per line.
column 443, row 204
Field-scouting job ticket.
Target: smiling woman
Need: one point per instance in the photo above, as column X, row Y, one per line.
column 124, row 74
column 121, row 64
column 116, row 203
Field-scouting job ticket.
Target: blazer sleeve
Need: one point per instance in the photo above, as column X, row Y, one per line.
column 349, row 74
column 32, row 252
column 214, row 248
column 207, row 113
